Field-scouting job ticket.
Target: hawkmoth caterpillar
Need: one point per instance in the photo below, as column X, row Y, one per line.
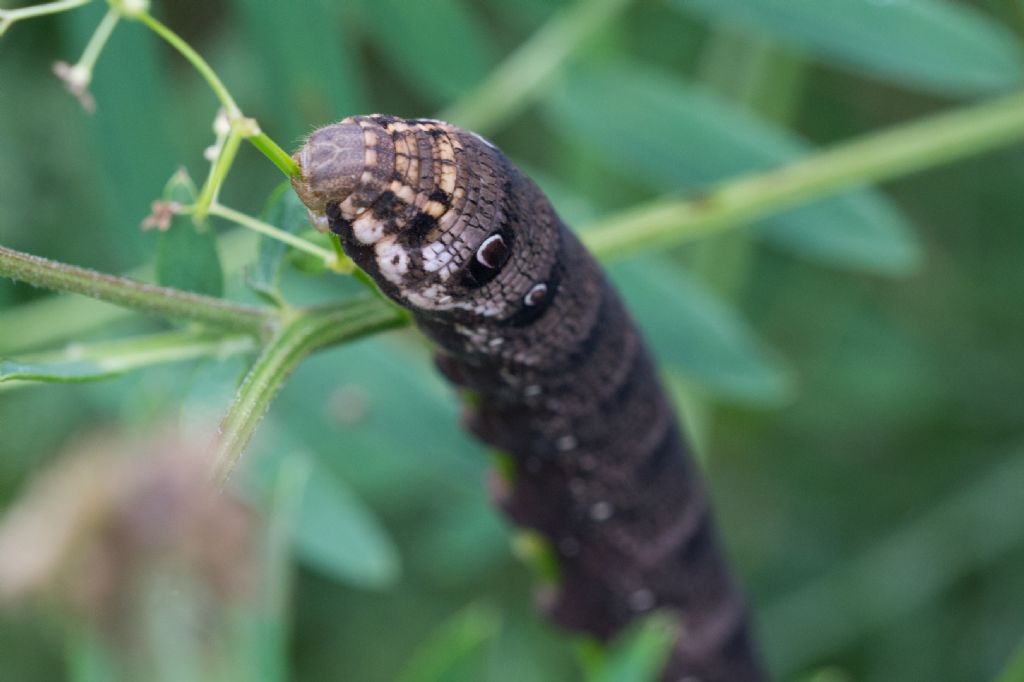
column 524, row 317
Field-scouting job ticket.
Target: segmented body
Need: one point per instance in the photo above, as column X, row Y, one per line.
column 524, row 317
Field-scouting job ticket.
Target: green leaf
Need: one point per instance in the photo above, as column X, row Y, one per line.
column 933, row 45
column 439, row 46
column 186, row 256
column 68, row 371
column 284, row 211
column 672, row 135
column 105, row 359
column 693, row 330
column 640, row 654
column 454, row 652
column 340, row 536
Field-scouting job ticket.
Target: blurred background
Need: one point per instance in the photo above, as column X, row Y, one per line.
column 851, row 371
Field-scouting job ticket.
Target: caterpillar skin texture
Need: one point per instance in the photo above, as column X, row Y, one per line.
column 525, row 318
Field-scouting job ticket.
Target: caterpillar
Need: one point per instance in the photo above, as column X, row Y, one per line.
column 524, row 318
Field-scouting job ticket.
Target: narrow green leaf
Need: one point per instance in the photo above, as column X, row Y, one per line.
column 187, row 257
column 340, row 536
column 640, row 654
column 453, row 653
column 68, row 371
column 672, row 135
column 439, row 47
column 284, row 211
column 105, row 359
column 935, row 45
column 699, row 334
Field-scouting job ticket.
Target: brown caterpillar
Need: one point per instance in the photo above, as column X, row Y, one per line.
column 524, row 316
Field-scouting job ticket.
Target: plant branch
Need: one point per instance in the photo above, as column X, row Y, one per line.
column 226, row 150
column 99, row 39
column 9, row 16
column 270, row 149
column 307, row 332
column 878, row 156
column 257, row 137
column 329, row 258
column 134, row 294
column 193, row 57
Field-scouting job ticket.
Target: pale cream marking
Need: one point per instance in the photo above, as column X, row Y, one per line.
column 367, row 228
column 392, row 260
column 435, row 256
column 402, row 191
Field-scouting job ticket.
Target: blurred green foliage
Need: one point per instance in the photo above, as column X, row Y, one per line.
column 853, row 365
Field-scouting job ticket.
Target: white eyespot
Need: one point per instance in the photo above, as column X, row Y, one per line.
column 492, row 252
column 566, row 443
column 536, row 294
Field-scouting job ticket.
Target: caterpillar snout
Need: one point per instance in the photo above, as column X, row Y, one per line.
column 332, row 161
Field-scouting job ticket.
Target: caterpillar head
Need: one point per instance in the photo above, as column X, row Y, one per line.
column 427, row 209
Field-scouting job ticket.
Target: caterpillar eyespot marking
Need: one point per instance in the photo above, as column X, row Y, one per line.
column 536, row 294
column 525, row 318
column 493, row 252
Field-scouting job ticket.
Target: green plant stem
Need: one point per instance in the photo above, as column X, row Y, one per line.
column 256, row 137
column 270, row 149
column 9, row 16
column 874, row 157
column 328, row 257
column 134, row 294
column 99, row 38
column 306, row 333
column 200, row 65
column 52, row 319
column 523, row 75
column 218, row 173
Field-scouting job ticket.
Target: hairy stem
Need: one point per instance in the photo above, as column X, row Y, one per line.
column 306, row 333
column 134, row 294
column 874, row 157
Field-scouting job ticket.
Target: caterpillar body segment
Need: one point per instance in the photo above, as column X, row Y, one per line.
column 523, row 315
